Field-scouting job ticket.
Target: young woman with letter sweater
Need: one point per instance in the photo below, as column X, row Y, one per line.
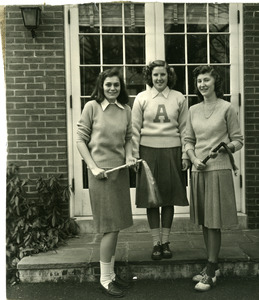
column 158, row 118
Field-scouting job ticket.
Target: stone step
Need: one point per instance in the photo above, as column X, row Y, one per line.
column 181, row 223
column 78, row 261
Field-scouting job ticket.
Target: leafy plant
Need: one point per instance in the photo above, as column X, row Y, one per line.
column 37, row 223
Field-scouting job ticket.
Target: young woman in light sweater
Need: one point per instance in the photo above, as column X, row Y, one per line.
column 104, row 142
column 212, row 202
column 158, row 119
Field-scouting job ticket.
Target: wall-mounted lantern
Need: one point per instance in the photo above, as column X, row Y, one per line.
column 31, row 18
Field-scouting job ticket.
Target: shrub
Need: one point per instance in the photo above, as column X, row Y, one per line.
column 34, row 223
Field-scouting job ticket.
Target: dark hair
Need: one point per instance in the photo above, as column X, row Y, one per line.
column 215, row 74
column 98, row 93
column 147, row 72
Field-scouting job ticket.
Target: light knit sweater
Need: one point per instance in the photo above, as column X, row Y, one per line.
column 105, row 129
column 203, row 134
column 159, row 119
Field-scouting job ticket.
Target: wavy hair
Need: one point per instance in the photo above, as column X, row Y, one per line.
column 215, row 74
column 147, row 72
column 98, row 93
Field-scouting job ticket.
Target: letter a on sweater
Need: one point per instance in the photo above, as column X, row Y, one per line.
column 161, row 113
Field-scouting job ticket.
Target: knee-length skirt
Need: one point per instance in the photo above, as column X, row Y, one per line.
column 110, row 201
column 212, row 199
column 166, row 167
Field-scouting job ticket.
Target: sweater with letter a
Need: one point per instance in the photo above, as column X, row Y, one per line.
column 159, row 119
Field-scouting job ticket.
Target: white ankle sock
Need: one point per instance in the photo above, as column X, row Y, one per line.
column 155, row 235
column 112, row 273
column 165, row 235
column 105, row 278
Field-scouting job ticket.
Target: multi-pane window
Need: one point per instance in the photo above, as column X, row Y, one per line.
column 197, row 34
column 111, row 35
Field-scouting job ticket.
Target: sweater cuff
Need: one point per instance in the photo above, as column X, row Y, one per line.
column 188, row 147
column 185, row 156
column 135, row 154
column 237, row 145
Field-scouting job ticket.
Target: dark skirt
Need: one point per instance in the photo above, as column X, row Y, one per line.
column 166, row 167
column 110, row 201
column 212, row 200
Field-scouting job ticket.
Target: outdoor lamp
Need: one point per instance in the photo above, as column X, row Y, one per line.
column 31, row 18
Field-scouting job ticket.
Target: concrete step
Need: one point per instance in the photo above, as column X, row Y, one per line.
column 78, row 261
column 181, row 223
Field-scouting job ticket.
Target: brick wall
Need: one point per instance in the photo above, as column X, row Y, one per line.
column 251, row 83
column 36, row 94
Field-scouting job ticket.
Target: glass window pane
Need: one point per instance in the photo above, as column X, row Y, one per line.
column 84, row 101
column 225, row 74
column 196, row 17
column 135, row 49
column 180, row 82
column 134, row 18
column 120, row 69
column 193, row 100
column 88, row 76
column 175, row 49
column 219, row 48
column 197, row 48
column 112, row 18
column 85, row 175
column 89, row 49
column 88, row 18
column 219, row 17
column 174, row 17
column 134, row 80
column 112, row 49
column 191, row 80
column 131, row 100
column 227, row 98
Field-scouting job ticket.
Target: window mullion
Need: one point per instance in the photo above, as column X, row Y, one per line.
column 186, row 50
column 101, row 36
column 208, row 33
column 123, row 42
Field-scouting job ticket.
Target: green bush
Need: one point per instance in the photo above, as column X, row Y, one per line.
column 34, row 223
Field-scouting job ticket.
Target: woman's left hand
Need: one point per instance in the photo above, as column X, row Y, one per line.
column 185, row 164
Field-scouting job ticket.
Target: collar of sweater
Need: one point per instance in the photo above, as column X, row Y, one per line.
column 155, row 92
column 105, row 103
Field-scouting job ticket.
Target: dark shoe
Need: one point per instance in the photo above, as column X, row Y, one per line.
column 157, row 252
column 166, row 252
column 112, row 290
column 121, row 283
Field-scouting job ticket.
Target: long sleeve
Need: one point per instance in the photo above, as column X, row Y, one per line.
column 137, row 123
column 189, row 139
column 84, row 125
column 234, row 131
column 183, row 113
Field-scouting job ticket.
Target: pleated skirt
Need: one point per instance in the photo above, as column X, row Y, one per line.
column 110, row 201
column 166, row 167
column 212, row 199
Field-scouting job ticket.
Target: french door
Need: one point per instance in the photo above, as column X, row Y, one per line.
column 129, row 36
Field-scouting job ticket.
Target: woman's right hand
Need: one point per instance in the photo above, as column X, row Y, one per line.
column 199, row 165
column 99, row 173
